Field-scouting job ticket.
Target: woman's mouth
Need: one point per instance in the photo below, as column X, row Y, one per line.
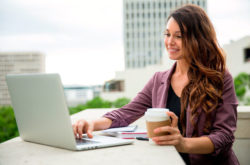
column 172, row 50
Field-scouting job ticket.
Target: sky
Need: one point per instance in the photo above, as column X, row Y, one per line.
column 83, row 40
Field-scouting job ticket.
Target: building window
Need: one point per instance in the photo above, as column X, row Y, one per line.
column 160, row 44
column 149, row 53
column 133, row 64
column 128, row 64
column 127, row 44
column 114, row 86
column 247, row 55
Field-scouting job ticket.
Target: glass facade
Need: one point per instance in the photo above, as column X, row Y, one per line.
column 144, row 22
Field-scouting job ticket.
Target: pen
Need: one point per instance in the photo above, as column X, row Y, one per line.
column 142, row 138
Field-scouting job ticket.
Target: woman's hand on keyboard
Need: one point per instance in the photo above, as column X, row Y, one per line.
column 83, row 126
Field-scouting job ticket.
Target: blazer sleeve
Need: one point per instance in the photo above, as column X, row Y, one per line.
column 135, row 109
column 224, row 125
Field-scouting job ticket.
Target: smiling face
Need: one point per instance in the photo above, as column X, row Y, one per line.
column 173, row 40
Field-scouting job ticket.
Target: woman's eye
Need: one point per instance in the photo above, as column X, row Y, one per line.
column 167, row 34
column 178, row 36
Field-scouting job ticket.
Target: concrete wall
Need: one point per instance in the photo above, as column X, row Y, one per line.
column 235, row 56
column 136, row 79
column 242, row 142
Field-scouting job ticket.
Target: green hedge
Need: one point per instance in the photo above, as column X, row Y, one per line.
column 8, row 127
column 242, row 86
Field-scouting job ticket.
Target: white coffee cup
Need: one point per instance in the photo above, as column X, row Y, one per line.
column 155, row 118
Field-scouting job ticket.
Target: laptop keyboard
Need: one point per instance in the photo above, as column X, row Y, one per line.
column 85, row 141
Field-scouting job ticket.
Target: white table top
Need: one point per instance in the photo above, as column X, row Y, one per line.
column 18, row 152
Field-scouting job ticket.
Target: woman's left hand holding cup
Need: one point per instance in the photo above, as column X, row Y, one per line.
column 174, row 136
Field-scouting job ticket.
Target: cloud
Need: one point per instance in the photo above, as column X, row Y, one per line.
column 73, row 13
column 231, row 19
column 85, row 66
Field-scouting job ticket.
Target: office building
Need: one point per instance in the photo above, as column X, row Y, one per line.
column 17, row 63
column 144, row 24
column 238, row 56
column 76, row 94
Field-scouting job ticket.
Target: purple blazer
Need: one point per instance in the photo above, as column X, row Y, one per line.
column 155, row 94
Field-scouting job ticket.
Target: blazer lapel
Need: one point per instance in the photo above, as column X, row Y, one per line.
column 163, row 90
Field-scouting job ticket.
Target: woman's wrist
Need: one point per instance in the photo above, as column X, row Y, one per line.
column 197, row 145
column 183, row 146
column 101, row 124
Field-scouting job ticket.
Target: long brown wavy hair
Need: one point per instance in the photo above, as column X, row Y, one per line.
column 206, row 65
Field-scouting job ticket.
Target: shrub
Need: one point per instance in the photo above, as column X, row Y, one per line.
column 242, row 85
column 8, row 126
column 98, row 102
column 76, row 109
column 118, row 103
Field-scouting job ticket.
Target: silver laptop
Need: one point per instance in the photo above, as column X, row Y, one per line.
column 43, row 117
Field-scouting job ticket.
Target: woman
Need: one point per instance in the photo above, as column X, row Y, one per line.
column 198, row 90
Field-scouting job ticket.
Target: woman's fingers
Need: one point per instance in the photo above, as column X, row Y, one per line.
column 173, row 139
column 174, row 122
column 80, row 126
column 164, row 138
column 90, row 130
column 167, row 129
column 171, row 142
column 74, row 129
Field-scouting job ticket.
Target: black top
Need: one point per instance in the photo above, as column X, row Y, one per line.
column 174, row 105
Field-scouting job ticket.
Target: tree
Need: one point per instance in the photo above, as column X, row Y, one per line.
column 242, row 86
column 121, row 102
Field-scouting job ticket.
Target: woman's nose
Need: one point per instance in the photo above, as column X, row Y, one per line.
column 170, row 41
